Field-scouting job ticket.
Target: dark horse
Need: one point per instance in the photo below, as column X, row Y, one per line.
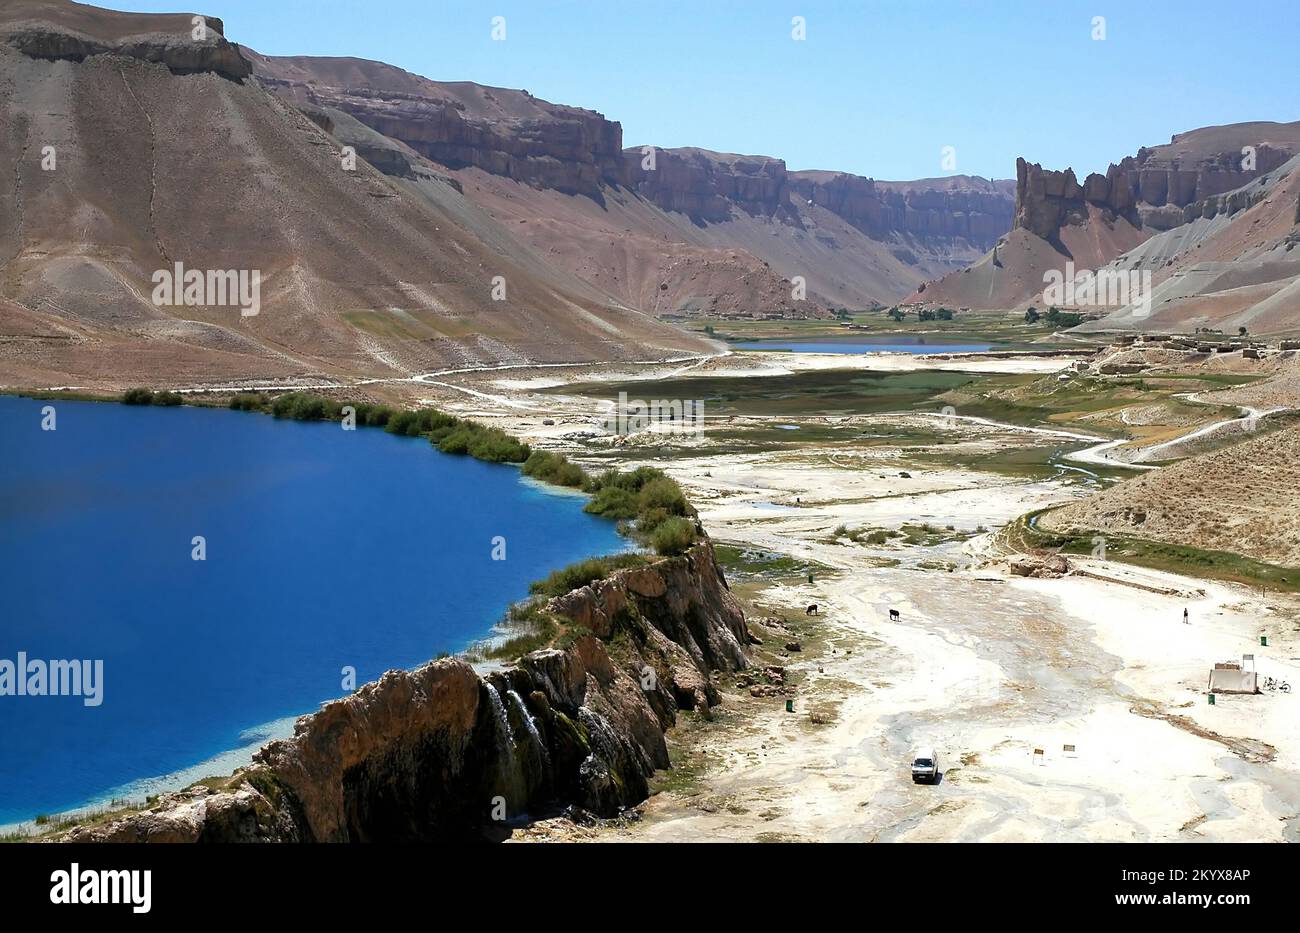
column 811, row 610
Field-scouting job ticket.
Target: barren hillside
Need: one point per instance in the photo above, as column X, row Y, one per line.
column 1241, row 499
column 131, row 147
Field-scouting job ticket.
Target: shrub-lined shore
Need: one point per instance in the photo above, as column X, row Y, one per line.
column 448, row 433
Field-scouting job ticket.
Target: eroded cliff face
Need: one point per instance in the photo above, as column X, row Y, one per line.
column 56, row 30
column 1160, row 178
column 429, row 754
column 1047, row 200
column 1226, row 173
column 707, row 186
column 502, row 131
column 956, row 208
column 1197, row 174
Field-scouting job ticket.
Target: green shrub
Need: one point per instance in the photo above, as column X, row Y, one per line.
column 650, row 520
column 377, row 416
column 673, row 536
column 555, row 468
column 150, row 397
column 662, row 493
column 308, row 408
column 282, row 406
column 567, row 579
column 405, row 423
column 613, row 502
column 482, row 443
column 248, row 401
column 496, row 446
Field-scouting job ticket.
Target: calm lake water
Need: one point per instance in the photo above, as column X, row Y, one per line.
column 325, row 549
column 899, row 344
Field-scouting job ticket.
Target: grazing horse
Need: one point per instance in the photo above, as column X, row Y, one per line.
column 811, row 610
column 893, row 615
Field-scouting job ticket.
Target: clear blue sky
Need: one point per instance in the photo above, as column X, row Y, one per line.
column 877, row 88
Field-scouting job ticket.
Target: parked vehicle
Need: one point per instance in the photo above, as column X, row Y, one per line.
column 1272, row 683
column 925, row 766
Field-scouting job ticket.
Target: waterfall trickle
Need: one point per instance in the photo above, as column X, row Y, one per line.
column 531, row 724
column 508, row 768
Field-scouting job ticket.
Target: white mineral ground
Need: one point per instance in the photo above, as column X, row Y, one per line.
column 983, row 666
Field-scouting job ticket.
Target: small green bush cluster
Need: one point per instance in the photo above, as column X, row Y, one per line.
column 567, row 579
column 632, row 495
column 555, row 469
column 302, row 406
column 673, row 536
column 150, row 397
column 249, row 401
column 480, row 442
column 646, row 498
column 865, row 535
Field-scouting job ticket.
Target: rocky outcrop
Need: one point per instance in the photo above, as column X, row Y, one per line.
column 707, row 185
column 49, row 29
column 1198, row 174
column 1048, row 200
column 1159, row 179
column 1047, row 567
column 444, row 753
column 459, row 124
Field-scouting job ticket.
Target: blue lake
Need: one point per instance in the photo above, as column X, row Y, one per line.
column 325, row 548
column 865, row 345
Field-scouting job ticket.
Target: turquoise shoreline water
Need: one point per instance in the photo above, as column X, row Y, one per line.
column 325, row 549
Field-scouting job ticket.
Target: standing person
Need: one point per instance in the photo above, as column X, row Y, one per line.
column 1185, row 622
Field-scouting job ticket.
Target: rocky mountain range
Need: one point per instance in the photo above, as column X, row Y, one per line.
column 476, row 225
column 1211, row 217
column 134, row 150
column 668, row 231
column 485, row 226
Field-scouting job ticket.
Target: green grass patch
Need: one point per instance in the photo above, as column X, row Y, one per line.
column 756, row 562
column 828, row 392
column 575, row 576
